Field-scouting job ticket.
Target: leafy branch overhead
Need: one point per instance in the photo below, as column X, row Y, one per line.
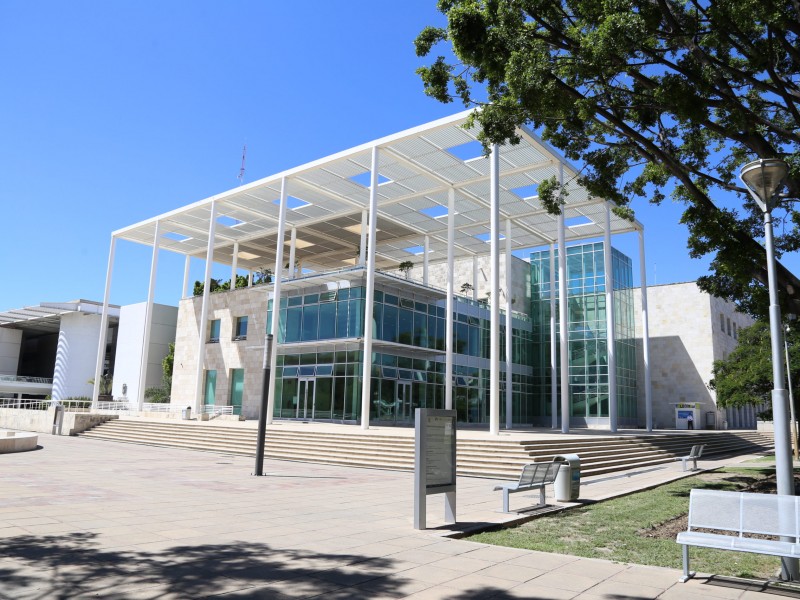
column 653, row 98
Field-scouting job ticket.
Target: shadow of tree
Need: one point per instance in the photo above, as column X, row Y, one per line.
column 77, row 566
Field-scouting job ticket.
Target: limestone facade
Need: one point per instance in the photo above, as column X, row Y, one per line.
column 689, row 330
column 227, row 354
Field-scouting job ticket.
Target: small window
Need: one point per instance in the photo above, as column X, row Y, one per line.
column 729, row 326
column 240, row 332
column 722, row 322
column 213, row 332
column 735, row 334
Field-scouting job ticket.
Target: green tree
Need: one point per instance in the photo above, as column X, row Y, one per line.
column 654, row 98
column 745, row 377
column 405, row 267
column 162, row 393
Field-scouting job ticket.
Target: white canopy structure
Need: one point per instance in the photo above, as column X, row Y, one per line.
column 432, row 191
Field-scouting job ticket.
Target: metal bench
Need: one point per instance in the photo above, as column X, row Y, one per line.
column 741, row 515
column 535, row 476
column 695, row 453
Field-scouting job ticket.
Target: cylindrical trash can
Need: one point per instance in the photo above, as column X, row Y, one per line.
column 568, row 480
column 186, row 413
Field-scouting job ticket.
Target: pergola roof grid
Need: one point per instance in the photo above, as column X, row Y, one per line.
column 419, row 169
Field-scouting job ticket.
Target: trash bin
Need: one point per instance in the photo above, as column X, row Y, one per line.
column 186, row 413
column 568, row 480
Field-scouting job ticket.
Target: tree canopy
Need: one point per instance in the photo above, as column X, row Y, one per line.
column 745, row 377
column 652, row 97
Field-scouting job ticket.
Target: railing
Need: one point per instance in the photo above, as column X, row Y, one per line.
column 69, row 405
column 160, row 407
column 214, row 410
column 25, row 379
column 115, row 407
column 25, row 404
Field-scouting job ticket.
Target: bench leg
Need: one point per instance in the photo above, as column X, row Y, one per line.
column 505, row 501
column 686, row 573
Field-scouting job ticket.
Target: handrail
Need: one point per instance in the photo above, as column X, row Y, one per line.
column 213, row 409
column 160, row 407
column 25, row 379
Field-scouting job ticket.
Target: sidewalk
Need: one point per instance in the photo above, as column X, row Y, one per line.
column 86, row 518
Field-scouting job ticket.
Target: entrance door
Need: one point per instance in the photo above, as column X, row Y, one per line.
column 306, row 389
column 403, row 408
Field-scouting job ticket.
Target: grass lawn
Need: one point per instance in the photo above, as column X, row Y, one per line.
column 636, row 529
column 770, row 458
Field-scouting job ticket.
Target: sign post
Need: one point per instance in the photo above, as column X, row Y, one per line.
column 434, row 462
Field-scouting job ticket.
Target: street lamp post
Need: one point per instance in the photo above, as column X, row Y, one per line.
column 793, row 417
column 763, row 179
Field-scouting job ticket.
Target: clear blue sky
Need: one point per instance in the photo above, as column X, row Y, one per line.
column 114, row 112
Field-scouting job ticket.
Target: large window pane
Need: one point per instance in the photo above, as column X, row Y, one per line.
column 310, row 322
column 237, row 390
column 294, row 318
column 211, row 387
column 390, row 323
column 327, row 321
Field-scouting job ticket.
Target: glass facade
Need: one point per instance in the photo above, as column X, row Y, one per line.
column 588, row 351
column 408, row 363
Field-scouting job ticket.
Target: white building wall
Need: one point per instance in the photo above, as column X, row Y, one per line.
column 10, row 341
column 685, row 340
column 76, row 355
column 130, row 338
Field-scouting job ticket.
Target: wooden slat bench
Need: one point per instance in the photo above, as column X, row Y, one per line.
column 739, row 516
column 535, row 476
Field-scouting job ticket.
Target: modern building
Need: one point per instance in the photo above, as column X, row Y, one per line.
column 336, row 232
column 52, row 349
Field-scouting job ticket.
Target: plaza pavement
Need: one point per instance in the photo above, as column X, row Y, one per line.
column 83, row 518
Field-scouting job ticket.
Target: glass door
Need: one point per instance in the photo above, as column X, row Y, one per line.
column 403, row 409
column 305, row 398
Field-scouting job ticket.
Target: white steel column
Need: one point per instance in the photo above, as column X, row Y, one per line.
column 369, row 300
column 448, row 343
column 475, row 277
column 186, row 264
column 648, row 391
column 425, row 251
column 234, row 264
column 494, row 274
column 148, row 318
column 203, row 325
column 563, row 323
column 276, row 299
column 610, row 321
column 362, row 249
column 509, row 332
column 249, row 279
column 101, row 344
column 553, row 345
column 292, row 253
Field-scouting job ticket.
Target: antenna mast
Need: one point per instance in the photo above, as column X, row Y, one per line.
column 240, row 177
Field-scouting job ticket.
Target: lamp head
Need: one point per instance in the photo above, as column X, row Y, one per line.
column 763, row 177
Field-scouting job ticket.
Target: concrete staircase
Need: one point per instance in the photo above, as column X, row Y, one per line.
column 501, row 459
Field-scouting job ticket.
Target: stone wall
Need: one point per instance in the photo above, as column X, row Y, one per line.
column 463, row 270
column 685, row 340
column 224, row 356
column 41, row 421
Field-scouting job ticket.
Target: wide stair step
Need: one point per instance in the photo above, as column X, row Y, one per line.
column 500, row 459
